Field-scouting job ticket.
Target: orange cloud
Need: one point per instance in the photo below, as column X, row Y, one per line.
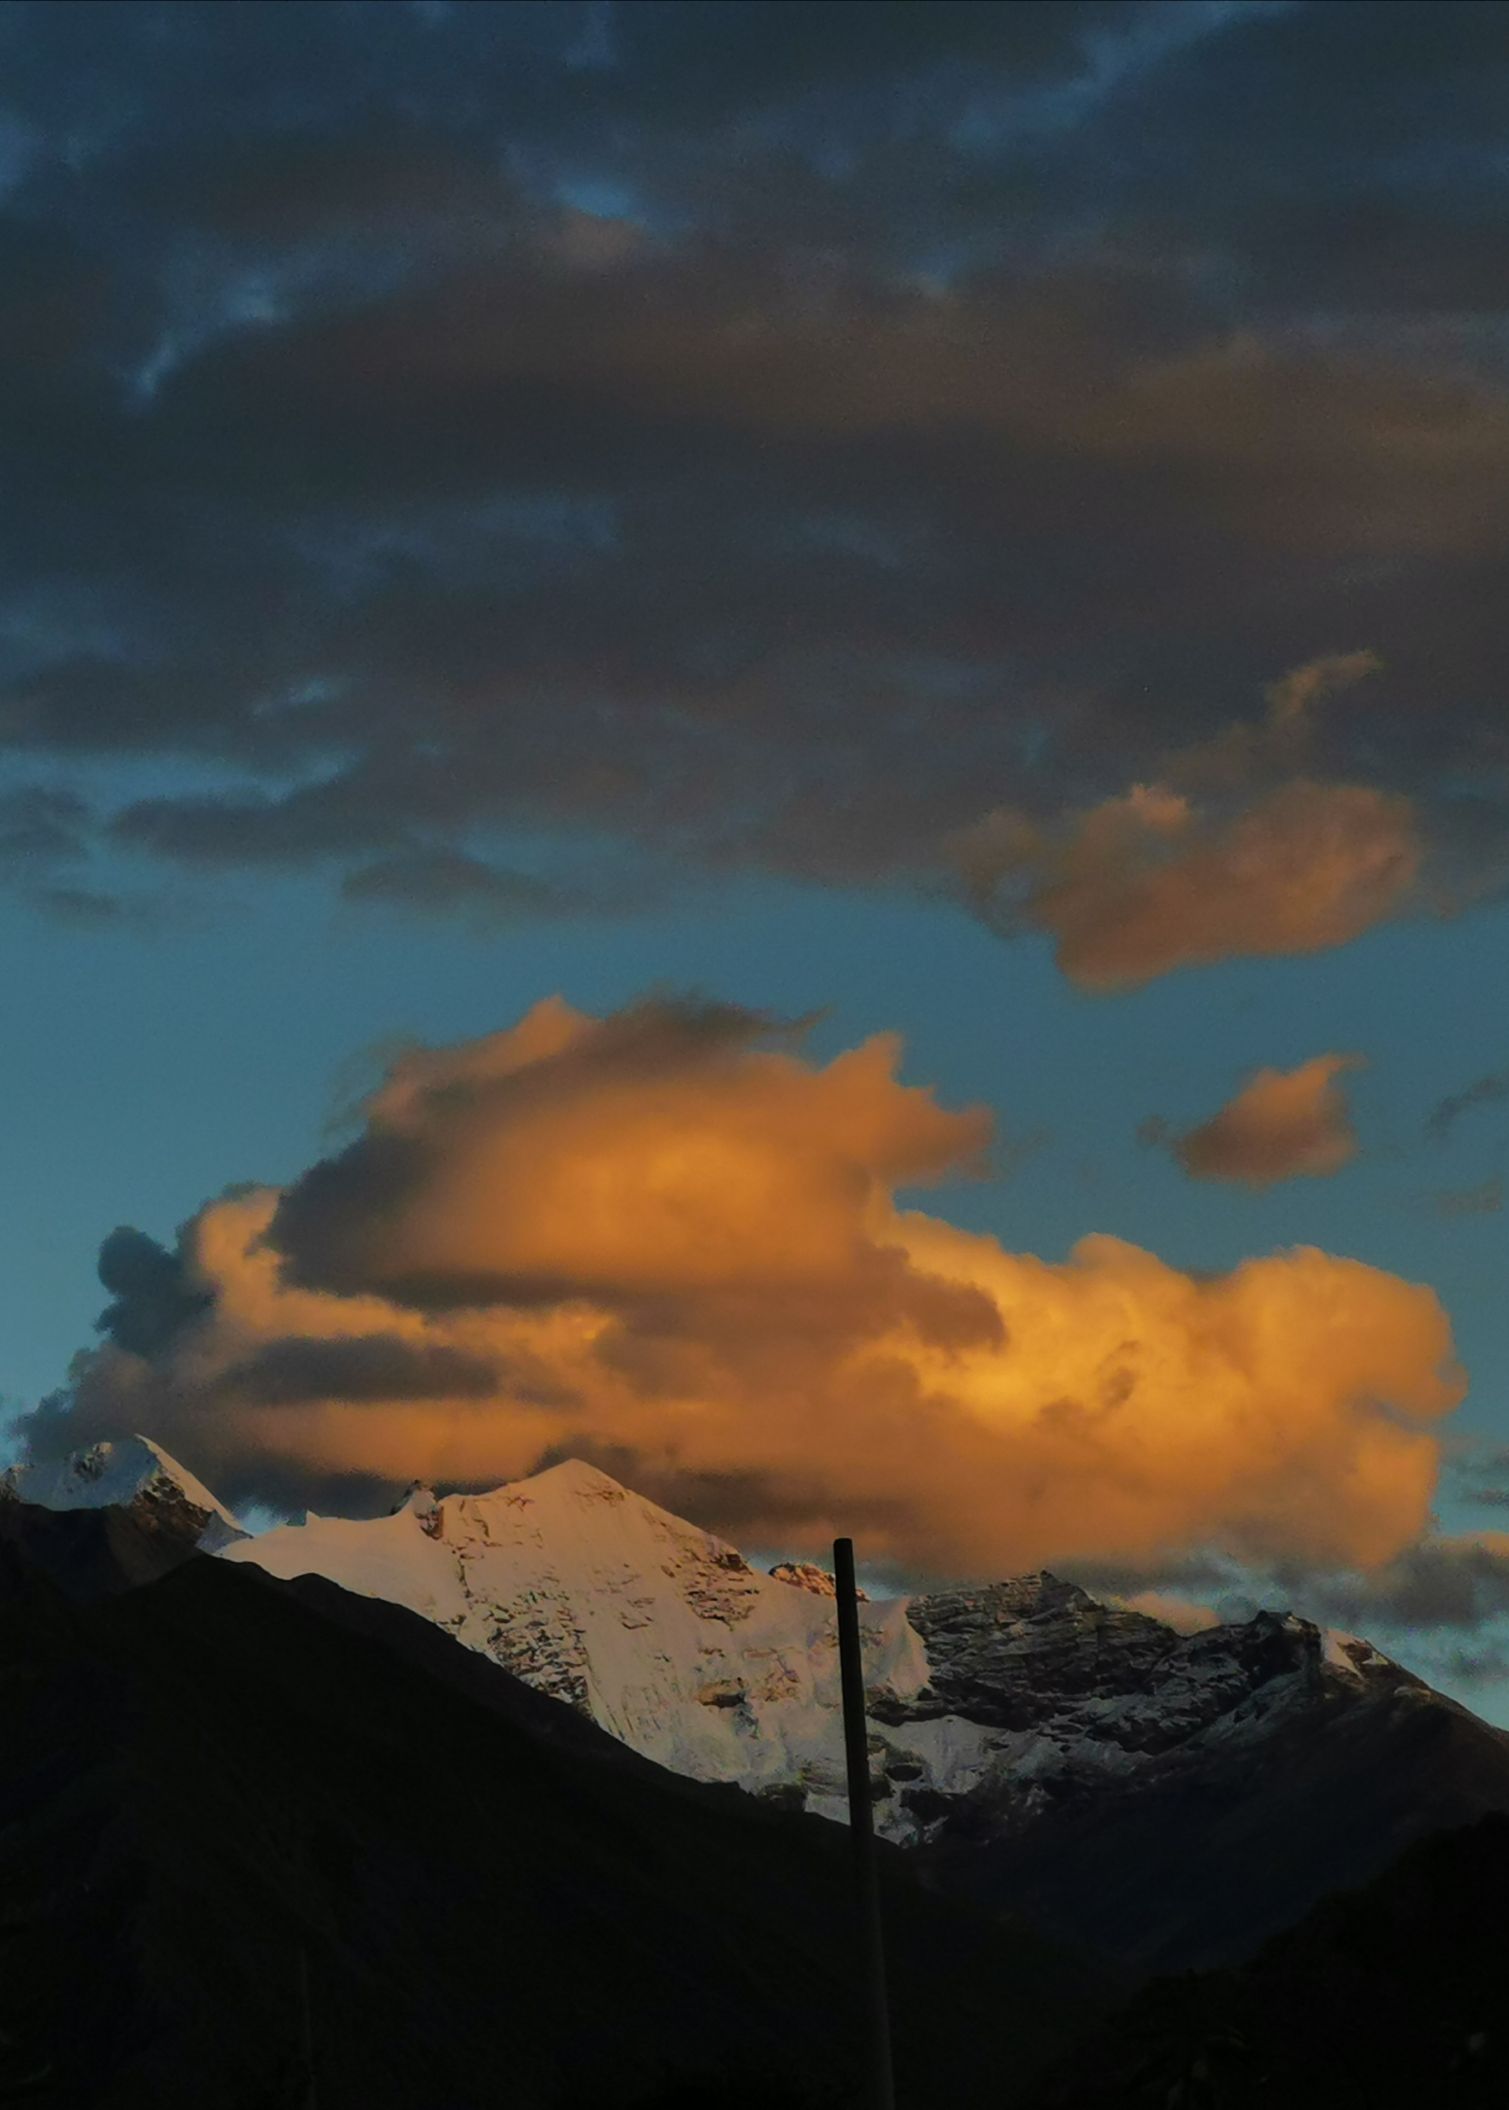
column 1282, row 1125
column 1143, row 885
column 670, row 1241
column 1148, row 881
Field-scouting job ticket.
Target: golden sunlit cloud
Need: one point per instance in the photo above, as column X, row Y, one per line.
column 1144, row 883
column 1282, row 1125
column 1152, row 880
column 670, row 1241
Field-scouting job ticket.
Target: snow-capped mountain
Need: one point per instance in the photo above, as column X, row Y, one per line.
column 1173, row 1796
column 660, row 1632
column 133, row 1474
column 1002, row 1694
column 1170, row 1796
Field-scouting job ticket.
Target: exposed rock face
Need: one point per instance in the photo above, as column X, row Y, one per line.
column 1012, row 1655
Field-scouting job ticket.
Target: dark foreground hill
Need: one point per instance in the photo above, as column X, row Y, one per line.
column 90, row 1553
column 236, row 1814
column 1392, row 1997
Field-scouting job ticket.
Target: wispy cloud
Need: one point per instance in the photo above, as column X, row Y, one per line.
column 1491, row 1090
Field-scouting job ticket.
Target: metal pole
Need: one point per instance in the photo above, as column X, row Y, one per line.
column 880, row 2090
column 306, row 2031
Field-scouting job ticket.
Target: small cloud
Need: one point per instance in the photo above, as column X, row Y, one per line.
column 1282, row 1125
column 1478, row 1666
column 40, row 824
column 1179, row 1613
column 1484, row 1200
column 1147, row 882
column 85, row 908
column 437, row 882
column 1482, row 1476
column 1491, row 1090
column 1294, row 695
column 1229, row 851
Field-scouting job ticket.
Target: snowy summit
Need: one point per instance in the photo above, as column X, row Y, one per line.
column 134, row 1474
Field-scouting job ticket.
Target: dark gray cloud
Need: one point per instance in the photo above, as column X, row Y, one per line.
column 1440, row 1583
column 439, row 882
column 1491, row 1090
column 85, row 908
column 295, row 1370
column 1442, row 1602
column 755, row 436
column 41, row 825
column 1481, row 1476
column 154, row 1291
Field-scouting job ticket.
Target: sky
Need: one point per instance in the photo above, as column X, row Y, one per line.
column 767, row 741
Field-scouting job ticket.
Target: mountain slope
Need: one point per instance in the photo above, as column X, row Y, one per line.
column 219, row 1787
column 1173, row 1797
column 1390, row 1996
column 89, row 1553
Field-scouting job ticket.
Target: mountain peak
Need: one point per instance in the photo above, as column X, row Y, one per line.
column 128, row 1472
column 572, row 1476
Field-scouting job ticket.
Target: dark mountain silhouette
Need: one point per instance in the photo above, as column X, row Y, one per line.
column 91, row 1553
column 233, row 1810
column 1391, row 1997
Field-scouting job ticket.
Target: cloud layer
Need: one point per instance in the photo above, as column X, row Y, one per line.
column 669, row 1240
column 759, row 438
column 1282, row 1125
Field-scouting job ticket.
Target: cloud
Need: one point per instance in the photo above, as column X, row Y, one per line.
column 1144, row 883
column 1282, row 1125
column 1486, row 1199
column 640, row 432
column 1491, row 1090
column 41, row 824
column 441, row 881
column 1482, row 1475
column 1457, row 1581
column 1181, row 1613
column 1243, row 753
column 670, row 1239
